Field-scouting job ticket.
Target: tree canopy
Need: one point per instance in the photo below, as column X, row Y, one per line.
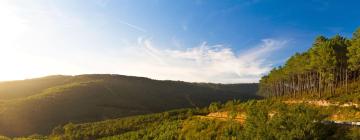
column 329, row 64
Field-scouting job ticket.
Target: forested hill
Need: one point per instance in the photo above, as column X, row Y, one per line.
column 38, row 105
column 328, row 70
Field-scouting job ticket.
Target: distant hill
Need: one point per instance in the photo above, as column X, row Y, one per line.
column 38, row 105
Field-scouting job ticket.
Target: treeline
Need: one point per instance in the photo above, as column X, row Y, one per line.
column 330, row 64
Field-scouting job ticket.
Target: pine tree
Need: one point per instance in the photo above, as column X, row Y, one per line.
column 354, row 53
column 327, row 65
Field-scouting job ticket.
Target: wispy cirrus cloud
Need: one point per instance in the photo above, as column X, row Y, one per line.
column 204, row 63
column 132, row 26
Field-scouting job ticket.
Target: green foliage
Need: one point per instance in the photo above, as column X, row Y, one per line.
column 4, row 138
column 265, row 119
column 166, row 130
column 330, row 64
column 256, row 126
column 354, row 133
column 209, row 129
column 148, row 126
column 32, row 137
column 214, row 106
column 354, row 52
column 279, row 121
column 298, row 122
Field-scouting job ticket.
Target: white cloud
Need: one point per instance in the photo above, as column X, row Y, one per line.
column 38, row 40
column 204, row 63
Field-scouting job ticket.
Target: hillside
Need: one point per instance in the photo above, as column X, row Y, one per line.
column 261, row 119
column 38, row 105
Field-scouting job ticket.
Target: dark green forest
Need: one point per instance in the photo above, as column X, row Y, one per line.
column 329, row 69
column 38, row 105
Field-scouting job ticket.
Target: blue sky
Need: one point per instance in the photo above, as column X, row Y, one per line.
column 227, row 41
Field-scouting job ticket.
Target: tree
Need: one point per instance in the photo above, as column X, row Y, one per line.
column 214, row 106
column 319, row 71
column 298, row 122
column 354, row 53
column 322, row 58
column 256, row 124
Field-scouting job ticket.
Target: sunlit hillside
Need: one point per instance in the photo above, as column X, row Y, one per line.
column 37, row 105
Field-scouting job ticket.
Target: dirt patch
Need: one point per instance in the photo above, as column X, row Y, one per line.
column 322, row 103
column 224, row 116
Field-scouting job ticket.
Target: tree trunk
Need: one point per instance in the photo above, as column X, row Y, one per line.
column 346, row 81
column 320, row 84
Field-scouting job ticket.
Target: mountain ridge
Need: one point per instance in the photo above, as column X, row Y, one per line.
column 37, row 105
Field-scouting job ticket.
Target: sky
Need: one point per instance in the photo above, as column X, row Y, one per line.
column 228, row 41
